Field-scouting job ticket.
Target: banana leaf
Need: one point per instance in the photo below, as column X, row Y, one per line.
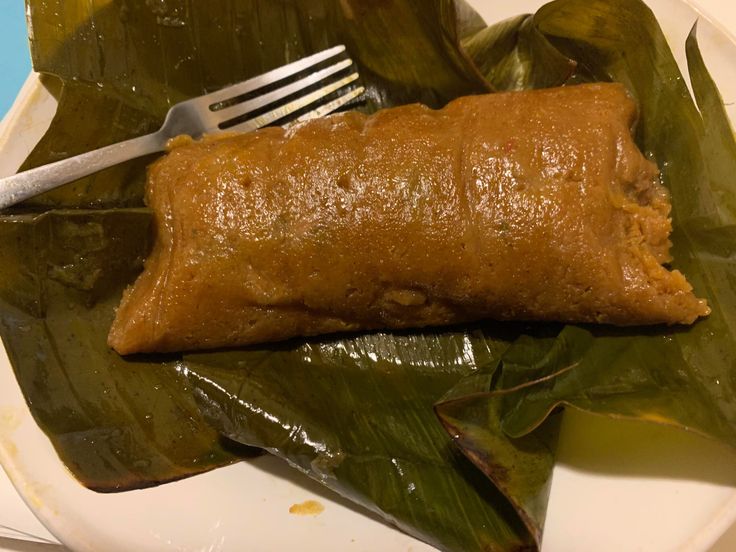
column 678, row 377
column 116, row 423
column 356, row 414
column 682, row 378
column 474, row 410
column 124, row 64
column 515, row 55
column 144, row 58
column 147, row 56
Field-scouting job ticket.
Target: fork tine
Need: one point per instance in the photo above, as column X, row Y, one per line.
column 240, row 109
column 327, row 108
column 295, row 105
column 272, row 76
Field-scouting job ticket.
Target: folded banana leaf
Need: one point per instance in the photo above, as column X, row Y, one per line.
column 678, row 377
column 682, row 377
column 122, row 64
column 514, row 55
column 356, row 414
column 116, row 423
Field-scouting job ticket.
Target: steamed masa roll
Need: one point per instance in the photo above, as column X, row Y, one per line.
column 528, row 205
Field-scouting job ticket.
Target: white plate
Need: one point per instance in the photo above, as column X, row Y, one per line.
column 617, row 486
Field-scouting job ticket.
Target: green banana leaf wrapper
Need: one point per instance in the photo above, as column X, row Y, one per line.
column 449, row 434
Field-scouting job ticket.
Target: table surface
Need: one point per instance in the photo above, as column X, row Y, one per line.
column 19, row 529
column 15, row 58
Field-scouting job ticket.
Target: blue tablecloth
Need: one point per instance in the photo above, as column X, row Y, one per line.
column 15, row 59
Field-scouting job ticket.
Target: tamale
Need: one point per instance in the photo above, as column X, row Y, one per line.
column 533, row 205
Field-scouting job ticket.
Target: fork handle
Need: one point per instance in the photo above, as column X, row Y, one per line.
column 21, row 186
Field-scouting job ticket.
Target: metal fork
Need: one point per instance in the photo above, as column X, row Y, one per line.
column 225, row 110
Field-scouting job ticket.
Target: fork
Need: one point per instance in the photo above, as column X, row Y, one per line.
column 230, row 109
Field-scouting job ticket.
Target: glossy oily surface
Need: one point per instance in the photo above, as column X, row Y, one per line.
column 409, row 218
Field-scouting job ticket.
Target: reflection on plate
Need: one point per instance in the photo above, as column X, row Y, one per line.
column 617, row 486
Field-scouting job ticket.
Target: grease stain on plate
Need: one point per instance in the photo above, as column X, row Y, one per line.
column 10, row 418
column 34, row 493
column 307, row 508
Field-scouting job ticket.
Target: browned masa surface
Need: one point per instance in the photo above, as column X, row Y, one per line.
column 531, row 205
